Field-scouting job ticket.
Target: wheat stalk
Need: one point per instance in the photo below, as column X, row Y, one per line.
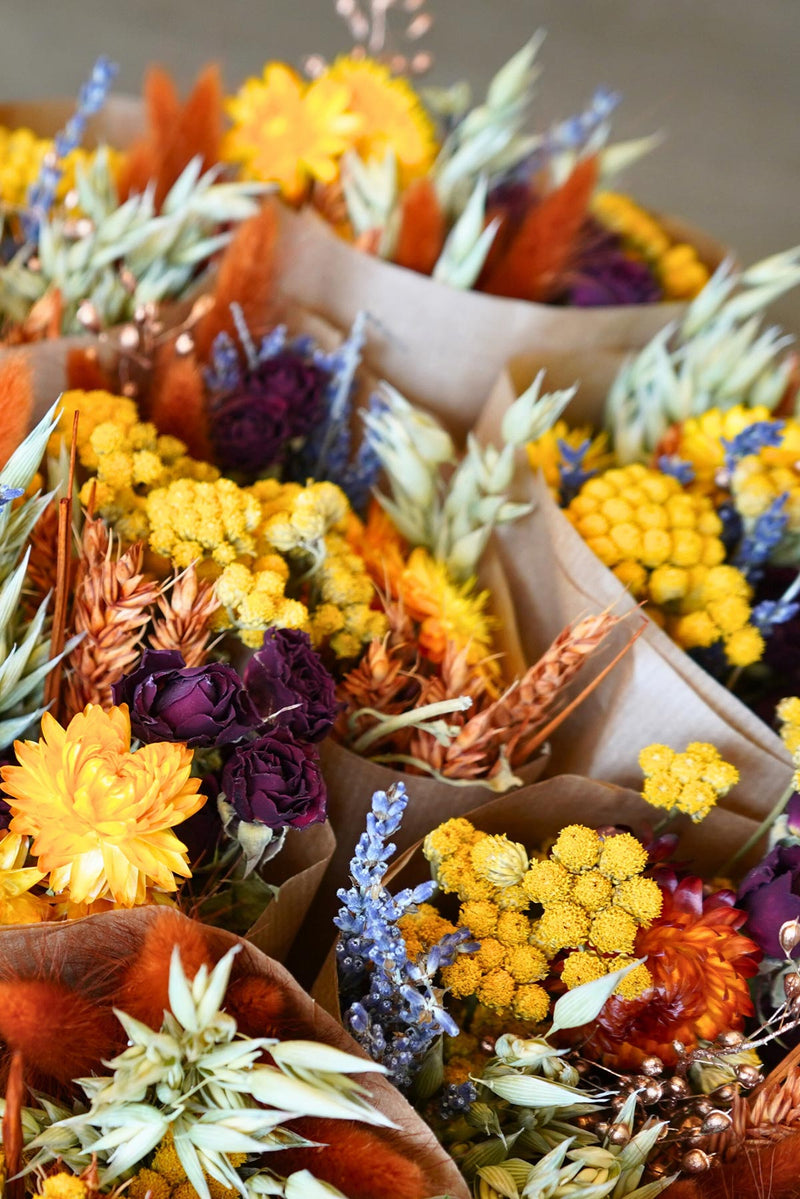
column 112, row 607
column 186, row 607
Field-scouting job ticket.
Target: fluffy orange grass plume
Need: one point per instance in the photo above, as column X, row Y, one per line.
column 422, row 228
column 355, row 1158
column 84, row 372
column 260, row 1008
column 244, row 277
column 61, row 1034
column 177, row 133
column 12, row 1127
column 16, row 403
column 143, row 991
column 539, row 253
column 178, row 401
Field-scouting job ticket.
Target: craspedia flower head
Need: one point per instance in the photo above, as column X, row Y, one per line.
column 513, row 928
column 449, row 838
column 577, row 848
column 622, row 856
column 496, row 989
column 463, row 977
column 480, row 917
column 500, row 861
column 636, row 981
column 101, row 817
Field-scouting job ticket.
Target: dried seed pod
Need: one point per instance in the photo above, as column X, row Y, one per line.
column 730, row 1039
column 789, row 936
column 748, row 1076
column 618, row 1134
column 716, row 1122
column 652, row 1067
column 696, row 1161
column 677, row 1087
column 726, row 1093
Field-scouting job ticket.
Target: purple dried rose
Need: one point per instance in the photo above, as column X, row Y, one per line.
column 5, row 814
column 202, row 705
column 275, row 781
column 281, row 399
column 770, row 894
column 286, row 672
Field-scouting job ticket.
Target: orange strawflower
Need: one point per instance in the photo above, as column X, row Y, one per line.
column 101, row 817
column 699, row 963
column 17, row 904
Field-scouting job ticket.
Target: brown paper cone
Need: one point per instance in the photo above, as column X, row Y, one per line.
column 534, row 813
column 657, row 693
column 297, row 871
column 120, row 121
column 441, row 347
column 115, row 937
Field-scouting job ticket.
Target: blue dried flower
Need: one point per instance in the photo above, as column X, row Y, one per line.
column 766, row 535
column 751, row 440
column 671, row 464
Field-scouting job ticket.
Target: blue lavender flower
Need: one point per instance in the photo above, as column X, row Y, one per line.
column 671, row 464
column 751, row 440
column 764, row 538
column 457, row 1098
column 571, row 470
column 395, row 1010
column 770, row 613
column 91, row 98
column 7, row 494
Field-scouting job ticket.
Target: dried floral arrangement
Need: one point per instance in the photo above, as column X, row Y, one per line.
column 687, row 486
column 461, row 192
column 594, row 1016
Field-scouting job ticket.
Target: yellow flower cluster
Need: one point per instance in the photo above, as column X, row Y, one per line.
column 788, row 712
column 290, row 132
column 21, row 157
column 191, row 521
column 680, row 271
column 546, row 454
column 126, row 458
column 700, row 440
column 664, row 544
column 17, row 904
column 690, row 782
column 759, row 479
column 66, row 1186
column 423, row 929
column 593, row 899
column 165, row 1177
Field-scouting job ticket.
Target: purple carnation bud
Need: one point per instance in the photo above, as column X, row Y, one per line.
column 275, row 781
column 286, row 673
column 202, row 705
column 770, row 894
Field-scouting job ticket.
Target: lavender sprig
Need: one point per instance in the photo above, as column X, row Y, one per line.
column 572, row 471
column 396, row 1011
column 751, row 440
column 679, row 468
column 91, row 98
column 764, row 538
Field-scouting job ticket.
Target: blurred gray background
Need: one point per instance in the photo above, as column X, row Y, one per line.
column 721, row 78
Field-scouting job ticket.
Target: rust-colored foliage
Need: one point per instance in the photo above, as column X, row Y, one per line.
column 358, row 1160
column 176, row 134
column 84, row 372
column 244, row 277
column 61, row 1034
column 259, row 1007
column 178, row 401
column 144, row 989
column 536, row 258
column 422, row 228
column 16, row 403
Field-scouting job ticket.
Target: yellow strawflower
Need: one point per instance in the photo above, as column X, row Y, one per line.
column 448, row 612
column 287, row 131
column 391, row 115
column 690, row 782
column 17, row 905
column 101, row 817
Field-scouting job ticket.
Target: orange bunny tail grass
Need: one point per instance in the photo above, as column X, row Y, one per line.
column 84, row 372
column 16, row 404
column 60, row 1034
column 245, row 277
column 178, row 402
column 260, row 1008
column 537, row 257
column 143, row 161
column 422, row 228
column 12, row 1138
column 144, row 988
column 355, row 1159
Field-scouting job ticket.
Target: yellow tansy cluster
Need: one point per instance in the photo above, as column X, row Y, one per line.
column 546, row 453
column 700, row 441
column 788, row 712
column 679, row 269
column 67, row 1186
column 588, row 896
column 291, row 132
column 664, row 544
column 21, row 156
column 191, row 521
column 690, row 782
column 758, row 480
column 165, row 1177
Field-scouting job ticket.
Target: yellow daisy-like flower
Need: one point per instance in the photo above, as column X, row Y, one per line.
column 17, row 905
column 447, row 611
column 100, row 816
column 286, row 131
column 392, row 117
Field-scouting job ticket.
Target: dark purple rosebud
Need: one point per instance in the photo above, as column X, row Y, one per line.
column 300, row 383
column 250, row 430
column 5, row 814
column 286, row 673
column 770, row 894
column 204, row 706
column 793, row 815
column 275, row 781
column 202, row 832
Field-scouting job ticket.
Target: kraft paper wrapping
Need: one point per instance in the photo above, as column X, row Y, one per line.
column 74, row 949
column 535, row 813
column 656, row 693
column 297, row 872
column 441, row 347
